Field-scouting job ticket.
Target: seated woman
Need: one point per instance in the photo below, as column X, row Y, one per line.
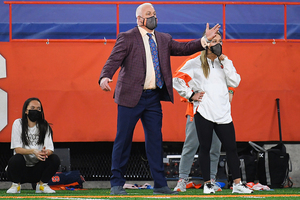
column 33, row 160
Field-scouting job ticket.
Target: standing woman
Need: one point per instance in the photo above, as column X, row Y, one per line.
column 211, row 74
column 33, row 160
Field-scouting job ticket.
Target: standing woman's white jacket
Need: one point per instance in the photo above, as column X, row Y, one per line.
column 215, row 105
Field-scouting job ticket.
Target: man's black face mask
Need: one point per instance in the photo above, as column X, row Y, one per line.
column 150, row 23
column 216, row 49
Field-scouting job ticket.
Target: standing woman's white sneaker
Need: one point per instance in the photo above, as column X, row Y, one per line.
column 208, row 188
column 241, row 188
column 44, row 188
column 14, row 189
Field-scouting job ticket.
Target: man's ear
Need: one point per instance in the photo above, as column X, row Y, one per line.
column 140, row 20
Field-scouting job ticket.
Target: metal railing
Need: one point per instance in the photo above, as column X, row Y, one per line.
column 118, row 3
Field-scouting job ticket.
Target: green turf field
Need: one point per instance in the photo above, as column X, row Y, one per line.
column 146, row 194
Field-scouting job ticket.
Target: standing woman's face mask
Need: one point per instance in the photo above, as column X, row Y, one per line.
column 216, row 45
column 33, row 111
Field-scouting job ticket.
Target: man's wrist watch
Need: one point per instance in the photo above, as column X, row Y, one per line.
column 208, row 41
column 230, row 91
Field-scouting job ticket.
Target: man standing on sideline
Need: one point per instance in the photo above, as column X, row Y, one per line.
column 145, row 79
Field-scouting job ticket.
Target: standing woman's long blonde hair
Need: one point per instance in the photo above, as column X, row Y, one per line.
column 203, row 59
column 204, row 63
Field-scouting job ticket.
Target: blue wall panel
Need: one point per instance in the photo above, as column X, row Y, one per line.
column 181, row 21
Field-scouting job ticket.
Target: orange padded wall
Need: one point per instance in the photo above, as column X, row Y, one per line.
column 64, row 76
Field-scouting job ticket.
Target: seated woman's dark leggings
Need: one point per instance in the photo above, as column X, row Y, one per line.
column 226, row 134
column 43, row 171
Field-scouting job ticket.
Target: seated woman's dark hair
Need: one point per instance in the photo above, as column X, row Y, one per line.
column 42, row 124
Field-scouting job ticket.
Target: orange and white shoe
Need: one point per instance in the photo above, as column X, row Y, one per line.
column 217, row 186
column 181, row 185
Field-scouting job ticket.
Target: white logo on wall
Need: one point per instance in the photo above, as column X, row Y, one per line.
column 3, row 95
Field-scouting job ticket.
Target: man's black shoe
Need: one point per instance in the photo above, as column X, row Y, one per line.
column 164, row 190
column 117, row 190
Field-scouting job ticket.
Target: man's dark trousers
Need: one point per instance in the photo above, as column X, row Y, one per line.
column 149, row 111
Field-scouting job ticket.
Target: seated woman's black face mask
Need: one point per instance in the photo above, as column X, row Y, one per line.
column 34, row 115
column 216, row 49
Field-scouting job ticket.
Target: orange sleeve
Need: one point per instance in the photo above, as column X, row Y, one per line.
column 231, row 88
column 186, row 78
column 190, row 109
column 189, row 58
